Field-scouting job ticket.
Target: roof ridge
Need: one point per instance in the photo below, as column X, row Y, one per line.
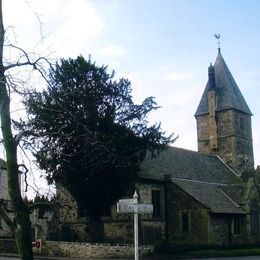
column 198, row 181
column 227, row 165
column 237, row 205
column 199, row 153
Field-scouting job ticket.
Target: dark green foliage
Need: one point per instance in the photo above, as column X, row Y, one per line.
column 88, row 134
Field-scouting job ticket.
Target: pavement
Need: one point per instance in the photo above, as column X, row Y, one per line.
column 12, row 256
column 15, row 257
column 36, row 257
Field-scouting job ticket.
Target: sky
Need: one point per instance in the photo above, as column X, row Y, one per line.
column 163, row 47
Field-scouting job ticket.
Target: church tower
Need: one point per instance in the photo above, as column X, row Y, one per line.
column 224, row 119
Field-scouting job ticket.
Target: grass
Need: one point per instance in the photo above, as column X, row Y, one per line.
column 221, row 253
column 180, row 251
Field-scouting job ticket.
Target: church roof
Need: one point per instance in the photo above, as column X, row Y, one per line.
column 187, row 164
column 204, row 177
column 229, row 95
column 212, row 196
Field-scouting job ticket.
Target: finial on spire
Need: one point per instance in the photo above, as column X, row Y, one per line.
column 217, row 36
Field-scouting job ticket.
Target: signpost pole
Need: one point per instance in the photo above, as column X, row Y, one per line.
column 135, row 197
column 132, row 206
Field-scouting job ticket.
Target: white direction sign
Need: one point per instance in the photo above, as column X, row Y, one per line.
column 134, row 208
column 144, row 208
column 127, row 201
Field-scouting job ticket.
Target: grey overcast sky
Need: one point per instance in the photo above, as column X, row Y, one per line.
column 164, row 47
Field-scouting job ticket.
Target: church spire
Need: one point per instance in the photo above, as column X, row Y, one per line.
column 224, row 119
column 229, row 94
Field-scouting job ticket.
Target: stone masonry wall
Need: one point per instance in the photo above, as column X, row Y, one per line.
column 82, row 250
column 116, row 231
column 219, row 230
column 119, row 227
column 92, row 251
column 203, row 134
column 7, row 246
column 68, row 212
column 234, row 138
column 179, row 203
column 152, row 228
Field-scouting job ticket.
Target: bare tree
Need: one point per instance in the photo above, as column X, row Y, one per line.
column 20, row 226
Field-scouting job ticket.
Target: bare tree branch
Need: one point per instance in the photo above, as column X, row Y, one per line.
column 19, row 136
column 51, row 204
column 28, row 61
column 38, row 19
column 27, row 58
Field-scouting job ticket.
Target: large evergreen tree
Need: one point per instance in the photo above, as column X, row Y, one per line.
column 89, row 135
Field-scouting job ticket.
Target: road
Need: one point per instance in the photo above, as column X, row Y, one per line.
column 216, row 258
column 231, row 258
column 41, row 258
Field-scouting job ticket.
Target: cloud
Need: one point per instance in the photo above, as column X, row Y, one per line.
column 77, row 28
column 112, row 50
column 178, row 76
column 69, row 27
column 81, row 21
column 16, row 13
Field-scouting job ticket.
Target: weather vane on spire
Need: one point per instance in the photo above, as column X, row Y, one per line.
column 217, row 36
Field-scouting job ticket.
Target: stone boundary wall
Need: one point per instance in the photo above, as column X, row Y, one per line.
column 82, row 250
column 7, row 245
column 90, row 250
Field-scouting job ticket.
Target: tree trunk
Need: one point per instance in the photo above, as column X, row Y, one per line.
column 21, row 225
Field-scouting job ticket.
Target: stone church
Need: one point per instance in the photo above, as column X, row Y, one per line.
column 197, row 197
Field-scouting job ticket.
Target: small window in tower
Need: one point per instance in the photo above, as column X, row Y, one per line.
column 242, row 124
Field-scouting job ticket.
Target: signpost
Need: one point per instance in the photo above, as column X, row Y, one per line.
column 132, row 206
column 126, row 201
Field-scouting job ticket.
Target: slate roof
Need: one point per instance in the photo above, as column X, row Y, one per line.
column 204, row 177
column 236, row 191
column 212, row 196
column 187, row 164
column 229, row 95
